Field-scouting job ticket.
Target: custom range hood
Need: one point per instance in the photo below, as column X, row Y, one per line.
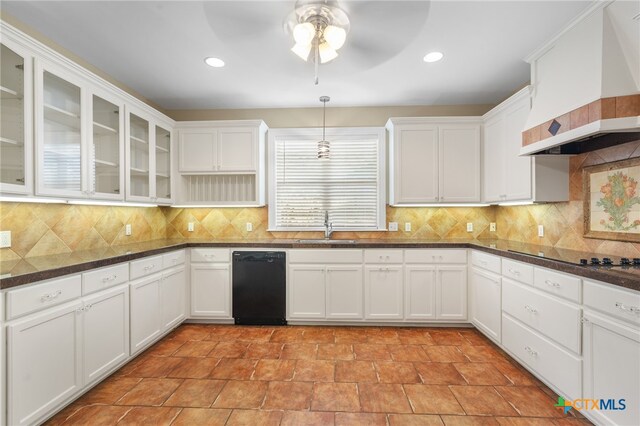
column 586, row 83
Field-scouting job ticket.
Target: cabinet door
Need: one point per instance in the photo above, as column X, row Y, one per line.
column 198, row 150
column 211, row 291
column 451, row 293
column 611, row 368
column 459, row 150
column 344, row 292
column 163, row 155
column 306, row 291
column 494, row 160
column 139, row 160
column 518, row 169
column 237, row 149
column 16, row 127
column 486, row 310
column 105, row 332
column 145, row 312
column 44, row 362
column 383, row 292
column 60, row 130
column 105, row 171
column 173, row 290
column 419, row 292
column 416, row 164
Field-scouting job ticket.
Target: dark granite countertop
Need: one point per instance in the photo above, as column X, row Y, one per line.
column 26, row 271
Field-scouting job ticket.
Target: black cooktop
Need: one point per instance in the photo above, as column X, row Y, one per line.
column 586, row 259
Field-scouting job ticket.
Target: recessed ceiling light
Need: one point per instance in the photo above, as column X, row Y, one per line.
column 433, row 56
column 214, row 62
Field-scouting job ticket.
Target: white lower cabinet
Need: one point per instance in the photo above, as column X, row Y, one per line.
column 486, row 311
column 307, row 291
column 105, row 332
column 383, row 292
column 43, row 362
column 146, row 312
column 173, row 291
column 451, row 293
column 419, row 292
column 344, row 292
column 211, row 290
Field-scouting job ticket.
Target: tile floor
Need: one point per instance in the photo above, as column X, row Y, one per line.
column 233, row 375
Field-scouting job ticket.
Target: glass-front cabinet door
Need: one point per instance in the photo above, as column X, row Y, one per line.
column 139, row 160
column 106, row 148
column 16, row 142
column 163, row 164
column 59, row 132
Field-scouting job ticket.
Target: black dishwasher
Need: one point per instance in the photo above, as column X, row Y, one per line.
column 259, row 287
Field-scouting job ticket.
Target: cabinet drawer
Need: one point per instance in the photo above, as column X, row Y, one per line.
column 623, row 304
column 517, row 271
column 486, row 261
column 146, row 266
column 435, row 256
column 41, row 296
column 550, row 316
column 325, row 256
column 209, row 255
column 174, row 258
column 557, row 366
column 558, row 284
column 383, row 256
column 104, row 278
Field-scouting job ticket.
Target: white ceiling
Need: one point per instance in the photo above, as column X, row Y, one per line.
column 158, row 47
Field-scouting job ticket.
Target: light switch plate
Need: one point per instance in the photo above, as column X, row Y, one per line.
column 393, row 226
column 540, row 231
column 249, row 226
column 407, row 227
column 469, row 227
column 127, row 229
column 5, row 239
column 190, row 227
column 492, row 227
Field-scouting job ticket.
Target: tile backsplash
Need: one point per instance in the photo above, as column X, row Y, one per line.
column 42, row 229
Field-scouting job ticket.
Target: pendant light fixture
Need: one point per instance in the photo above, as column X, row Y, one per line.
column 323, row 145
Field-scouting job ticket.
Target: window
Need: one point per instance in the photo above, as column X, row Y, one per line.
column 350, row 185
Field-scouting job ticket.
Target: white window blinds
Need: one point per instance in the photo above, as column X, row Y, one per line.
column 349, row 185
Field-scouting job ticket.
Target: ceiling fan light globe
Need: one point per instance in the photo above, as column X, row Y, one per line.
column 302, row 50
column 335, row 36
column 327, row 53
column 304, row 33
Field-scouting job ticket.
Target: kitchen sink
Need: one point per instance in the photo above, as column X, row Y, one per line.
column 326, row 241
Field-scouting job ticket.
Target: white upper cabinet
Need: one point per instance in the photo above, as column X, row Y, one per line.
column 198, row 150
column 148, row 158
column 237, row 149
column 510, row 177
column 16, row 109
column 434, row 160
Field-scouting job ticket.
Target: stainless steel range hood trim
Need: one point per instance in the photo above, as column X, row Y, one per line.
column 612, row 125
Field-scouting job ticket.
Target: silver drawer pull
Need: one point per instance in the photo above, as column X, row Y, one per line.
column 531, row 351
column 516, row 273
column 483, row 262
column 51, row 296
column 551, row 283
column 531, row 309
column 109, row 279
column 625, row 308
column 150, row 267
column 208, row 256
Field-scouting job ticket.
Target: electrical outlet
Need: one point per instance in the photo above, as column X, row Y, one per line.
column 407, row 227
column 249, row 226
column 127, row 229
column 190, row 227
column 393, row 226
column 469, row 227
column 492, row 227
column 5, row 239
column 540, row 231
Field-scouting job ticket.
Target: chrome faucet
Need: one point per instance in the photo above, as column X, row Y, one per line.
column 328, row 227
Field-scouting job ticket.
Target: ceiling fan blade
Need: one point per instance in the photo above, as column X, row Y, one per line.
column 245, row 20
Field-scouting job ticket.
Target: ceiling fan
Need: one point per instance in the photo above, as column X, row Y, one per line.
column 367, row 33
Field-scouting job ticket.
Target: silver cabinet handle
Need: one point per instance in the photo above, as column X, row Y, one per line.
column 150, row 267
column 483, row 262
column 551, row 283
column 50, row 296
column 109, row 279
column 531, row 309
column 626, row 308
column 584, row 320
column 531, row 351
column 516, row 273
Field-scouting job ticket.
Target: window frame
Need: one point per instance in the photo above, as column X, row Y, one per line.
column 315, row 134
